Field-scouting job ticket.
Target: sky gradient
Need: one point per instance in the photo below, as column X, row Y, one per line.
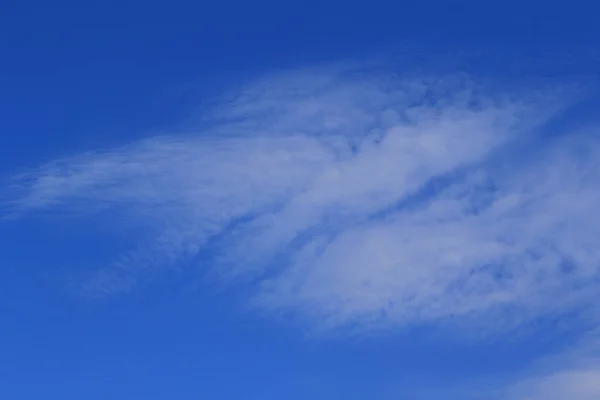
column 311, row 201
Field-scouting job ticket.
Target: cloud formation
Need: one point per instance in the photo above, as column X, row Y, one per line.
column 574, row 374
column 571, row 384
column 359, row 198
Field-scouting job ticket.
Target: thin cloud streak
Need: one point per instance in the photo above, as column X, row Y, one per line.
column 356, row 198
column 572, row 374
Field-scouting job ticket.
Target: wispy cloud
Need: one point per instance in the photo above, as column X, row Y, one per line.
column 583, row 384
column 574, row 374
column 354, row 197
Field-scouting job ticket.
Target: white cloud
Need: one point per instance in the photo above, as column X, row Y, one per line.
column 570, row 375
column 353, row 197
column 566, row 385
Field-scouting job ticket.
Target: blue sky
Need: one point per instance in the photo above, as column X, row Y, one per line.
column 322, row 200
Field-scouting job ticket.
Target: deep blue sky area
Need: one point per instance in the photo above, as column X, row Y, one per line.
column 125, row 66
column 78, row 76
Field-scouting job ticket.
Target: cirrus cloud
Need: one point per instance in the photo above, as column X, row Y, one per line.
column 357, row 198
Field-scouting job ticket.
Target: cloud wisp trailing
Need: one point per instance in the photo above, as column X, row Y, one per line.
column 574, row 374
column 576, row 384
column 357, row 198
